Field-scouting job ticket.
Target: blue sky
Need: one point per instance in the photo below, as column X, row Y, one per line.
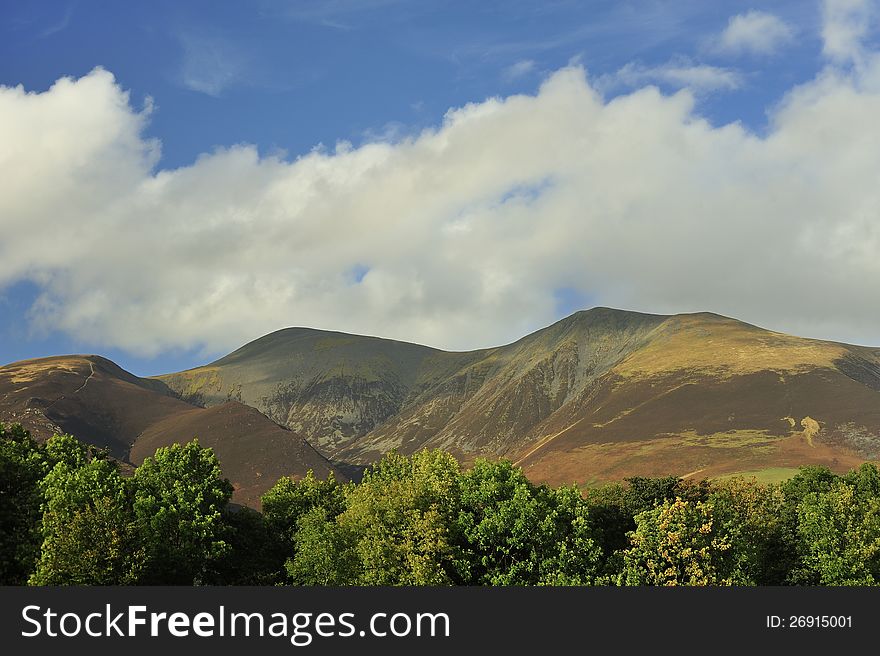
column 288, row 75
column 294, row 78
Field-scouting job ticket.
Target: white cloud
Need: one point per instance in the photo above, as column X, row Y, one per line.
column 754, row 32
column 679, row 74
column 457, row 237
column 845, row 25
column 518, row 69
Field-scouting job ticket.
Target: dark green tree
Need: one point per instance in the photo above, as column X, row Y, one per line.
column 22, row 466
column 253, row 556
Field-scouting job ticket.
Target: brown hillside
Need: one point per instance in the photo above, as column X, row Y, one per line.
column 92, row 398
column 253, row 452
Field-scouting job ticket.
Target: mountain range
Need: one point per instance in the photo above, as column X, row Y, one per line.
column 598, row 396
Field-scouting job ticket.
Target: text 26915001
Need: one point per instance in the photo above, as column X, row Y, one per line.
column 809, row 622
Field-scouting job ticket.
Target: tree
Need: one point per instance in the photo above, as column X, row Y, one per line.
column 95, row 545
column 22, row 466
column 327, row 551
column 516, row 533
column 809, row 481
column 574, row 556
column 289, row 500
column 89, row 535
column 179, row 499
column 680, row 543
column 394, row 529
column 253, row 556
column 839, row 530
column 613, row 509
column 752, row 516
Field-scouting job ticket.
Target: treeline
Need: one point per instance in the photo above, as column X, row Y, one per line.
column 68, row 516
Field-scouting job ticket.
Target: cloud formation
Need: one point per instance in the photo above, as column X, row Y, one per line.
column 518, row 69
column 845, row 26
column 458, row 237
column 210, row 64
column 755, row 32
column 679, row 74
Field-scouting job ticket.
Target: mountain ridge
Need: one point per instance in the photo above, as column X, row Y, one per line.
column 596, row 396
column 594, row 377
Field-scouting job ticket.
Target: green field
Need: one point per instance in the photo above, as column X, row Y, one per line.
column 769, row 475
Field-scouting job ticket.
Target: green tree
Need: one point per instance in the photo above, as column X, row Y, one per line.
column 752, row 516
column 97, row 544
column 809, row 481
column 89, row 535
column 327, row 552
column 253, row 556
column 574, row 556
column 513, row 532
column 393, row 531
column 22, row 466
column 179, row 500
column 839, row 530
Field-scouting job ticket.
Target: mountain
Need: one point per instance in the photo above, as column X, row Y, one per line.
column 597, row 396
column 94, row 399
column 332, row 387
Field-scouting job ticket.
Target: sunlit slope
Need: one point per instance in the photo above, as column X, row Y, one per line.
column 605, row 376
column 709, row 395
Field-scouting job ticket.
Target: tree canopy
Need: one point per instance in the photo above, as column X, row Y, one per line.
column 68, row 515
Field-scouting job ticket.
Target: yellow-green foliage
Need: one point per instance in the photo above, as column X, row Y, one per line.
column 678, row 543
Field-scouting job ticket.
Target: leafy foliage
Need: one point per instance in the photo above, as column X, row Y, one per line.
column 680, row 543
column 395, row 529
column 89, row 537
column 179, row 500
column 68, row 516
column 22, row 466
column 840, row 530
column 516, row 533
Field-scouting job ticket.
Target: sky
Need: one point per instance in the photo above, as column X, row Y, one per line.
column 178, row 178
